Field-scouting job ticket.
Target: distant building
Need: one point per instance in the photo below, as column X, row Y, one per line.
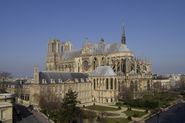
column 166, row 82
column 161, row 84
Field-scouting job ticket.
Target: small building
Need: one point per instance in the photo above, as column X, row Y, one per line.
column 6, row 110
column 51, row 85
column 161, row 83
column 105, row 85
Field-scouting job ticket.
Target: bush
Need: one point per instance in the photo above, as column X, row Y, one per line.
column 119, row 103
column 129, row 109
column 155, row 111
column 143, row 103
column 146, row 111
column 88, row 114
column 98, row 118
column 119, row 107
column 129, row 118
column 135, row 115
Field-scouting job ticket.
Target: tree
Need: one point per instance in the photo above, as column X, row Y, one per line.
column 4, row 76
column 69, row 112
column 3, row 87
column 49, row 103
column 125, row 92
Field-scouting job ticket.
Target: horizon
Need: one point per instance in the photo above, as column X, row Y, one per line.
column 154, row 29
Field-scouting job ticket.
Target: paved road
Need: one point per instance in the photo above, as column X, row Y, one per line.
column 26, row 116
column 176, row 114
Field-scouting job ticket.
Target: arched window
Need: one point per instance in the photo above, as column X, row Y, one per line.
column 95, row 63
column 107, row 83
column 107, row 100
column 115, row 83
column 111, row 83
column 103, row 62
column 94, row 83
column 123, row 66
column 118, row 65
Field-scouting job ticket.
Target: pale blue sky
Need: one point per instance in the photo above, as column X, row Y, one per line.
column 154, row 28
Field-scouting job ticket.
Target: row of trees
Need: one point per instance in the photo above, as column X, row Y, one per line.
column 61, row 111
column 4, row 76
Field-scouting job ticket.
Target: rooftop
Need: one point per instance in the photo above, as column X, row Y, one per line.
column 59, row 77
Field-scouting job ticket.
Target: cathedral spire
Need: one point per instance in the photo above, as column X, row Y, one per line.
column 123, row 37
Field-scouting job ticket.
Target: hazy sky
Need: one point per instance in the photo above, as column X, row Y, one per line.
column 154, row 29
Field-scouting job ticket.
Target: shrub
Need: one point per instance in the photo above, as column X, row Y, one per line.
column 129, row 118
column 146, row 111
column 146, row 103
column 98, row 118
column 119, row 103
column 135, row 115
column 119, row 107
column 129, row 109
column 88, row 114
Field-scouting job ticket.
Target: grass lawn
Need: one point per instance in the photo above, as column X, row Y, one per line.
column 101, row 108
column 116, row 120
column 135, row 113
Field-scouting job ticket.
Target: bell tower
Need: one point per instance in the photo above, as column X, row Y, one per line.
column 66, row 46
column 53, row 57
column 36, row 74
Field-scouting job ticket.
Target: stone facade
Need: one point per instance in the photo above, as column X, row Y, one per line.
column 127, row 71
column 52, row 85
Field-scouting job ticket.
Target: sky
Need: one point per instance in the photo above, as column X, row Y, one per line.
column 154, row 29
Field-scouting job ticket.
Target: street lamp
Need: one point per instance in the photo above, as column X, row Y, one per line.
column 158, row 115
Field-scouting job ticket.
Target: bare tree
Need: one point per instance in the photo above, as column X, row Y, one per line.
column 125, row 92
column 49, row 102
column 4, row 76
column 3, row 88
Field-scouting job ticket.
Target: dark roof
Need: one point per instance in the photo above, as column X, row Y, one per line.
column 61, row 76
column 98, row 48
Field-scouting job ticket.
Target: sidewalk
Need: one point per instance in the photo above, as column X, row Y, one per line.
column 41, row 117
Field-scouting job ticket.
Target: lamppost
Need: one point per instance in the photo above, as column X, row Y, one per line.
column 47, row 114
column 158, row 115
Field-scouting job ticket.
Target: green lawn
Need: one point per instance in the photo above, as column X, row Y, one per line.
column 152, row 101
column 135, row 113
column 116, row 120
column 101, row 108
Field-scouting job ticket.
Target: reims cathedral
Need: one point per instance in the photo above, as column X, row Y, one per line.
column 99, row 72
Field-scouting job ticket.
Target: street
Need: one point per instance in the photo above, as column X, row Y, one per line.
column 24, row 115
column 176, row 114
